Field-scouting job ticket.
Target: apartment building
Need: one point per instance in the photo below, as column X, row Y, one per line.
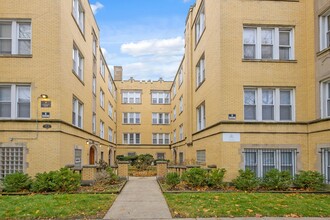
column 57, row 96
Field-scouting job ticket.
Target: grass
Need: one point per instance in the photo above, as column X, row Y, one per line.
column 194, row 205
column 58, row 206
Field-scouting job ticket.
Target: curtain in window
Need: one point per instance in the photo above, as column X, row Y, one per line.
column 284, row 45
column 267, row 43
column 286, row 161
column 23, row 101
column 285, row 105
column 268, row 161
column 24, row 38
column 250, row 43
column 249, row 105
column 5, row 38
column 251, row 161
column 267, row 104
column 5, row 101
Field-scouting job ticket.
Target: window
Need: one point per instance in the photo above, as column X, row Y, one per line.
column 114, row 137
column 94, row 85
column 131, row 118
column 94, row 45
column 110, row 84
column 268, row 104
column 11, row 160
column 110, row 135
column 102, row 98
column 15, row 101
column 101, row 129
column 77, row 158
column 160, row 156
column 200, row 117
column 174, row 89
column 78, row 14
column 261, row 161
column 200, row 72
column 181, row 104
column 160, row 138
column 181, row 159
column 180, row 76
column 15, row 37
column 131, row 97
column 78, row 63
column 181, row 132
column 271, row 43
column 201, row 157
column 325, row 99
column 161, row 118
column 102, row 68
column 325, row 30
column 160, row 97
column 131, row 154
column 77, row 112
column 174, row 113
column 110, row 110
column 200, row 23
column 131, row 138
column 174, row 136
column 94, row 123
column 325, row 162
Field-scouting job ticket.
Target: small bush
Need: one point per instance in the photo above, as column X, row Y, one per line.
column 1, row 186
column 16, row 182
column 63, row 180
column 277, row 180
column 106, row 177
column 309, row 180
column 246, row 180
column 144, row 161
column 195, row 177
column 172, row 179
column 215, row 178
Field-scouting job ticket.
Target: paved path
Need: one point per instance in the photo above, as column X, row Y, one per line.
column 141, row 198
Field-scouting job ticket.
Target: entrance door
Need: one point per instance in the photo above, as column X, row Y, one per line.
column 92, row 156
column 110, row 157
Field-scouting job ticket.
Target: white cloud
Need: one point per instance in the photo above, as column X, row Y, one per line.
column 185, row 1
column 96, row 7
column 154, row 47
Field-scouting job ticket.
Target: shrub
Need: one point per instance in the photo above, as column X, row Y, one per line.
column 102, row 164
column 131, row 159
column 215, row 178
column 107, row 176
column 63, row 180
column 277, row 180
column 1, row 186
column 195, row 177
column 309, row 180
column 144, row 161
column 16, row 182
column 172, row 179
column 246, row 180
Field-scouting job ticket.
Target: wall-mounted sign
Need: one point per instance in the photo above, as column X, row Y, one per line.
column 45, row 114
column 47, row 126
column 46, row 104
column 232, row 116
column 231, row 137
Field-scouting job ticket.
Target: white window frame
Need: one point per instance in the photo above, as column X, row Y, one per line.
column 161, row 118
column 77, row 63
column 110, row 134
column 102, row 67
column 201, row 156
column 94, row 123
column 174, row 113
column 15, row 38
column 79, row 14
column 131, row 97
column 94, row 85
column 159, row 157
column 102, row 98
column 200, row 23
column 181, row 104
column 77, row 112
column 201, row 120
column 163, row 97
column 200, row 71
column 324, row 30
column 101, row 129
column 325, row 164
column 174, row 136
column 110, row 84
column 131, row 118
column 181, row 132
column 276, row 102
column 110, row 110
column 174, row 88
column 161, row 138
column 275, row 43
column 132, row 138
column 180, row 76
column 325, row 98
column 261, row 163
column 94, row 44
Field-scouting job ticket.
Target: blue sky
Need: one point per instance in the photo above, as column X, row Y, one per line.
column 143, row 36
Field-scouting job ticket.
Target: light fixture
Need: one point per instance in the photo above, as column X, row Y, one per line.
column 44, row 96
column 87, row 142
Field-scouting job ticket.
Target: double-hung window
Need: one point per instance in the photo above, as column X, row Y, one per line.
column 181, row 104
column 325, row 30
column 174, row 136
column 102, row 67
column 261, row 161
column 94, row 123
column 110, row 84
column 131, row 118
column 174, row 113
column 110, row 110
column 101, row 129
column 15, row 101
column 200, row 117
column 79, row 14
column 200, row 23
column 110, row 135
column 94, row 85
column 181, row 132
column 180, row 76
column 131, row 97
column 325, row 163
column 78, row 63
column 160, row 97
column 200, row 71
column 131, row 138
column 161, row 118
column 174, row 89
column 325, row 99
column 15, row 37
column 201, row 156
column 160, row 138
column 77, row 112
column 102, row 98
column 269, row 43
column 268, row 104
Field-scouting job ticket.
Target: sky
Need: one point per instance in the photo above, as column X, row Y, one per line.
column 146, row 37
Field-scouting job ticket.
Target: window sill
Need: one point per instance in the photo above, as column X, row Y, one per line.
column 326, row 50
column 269, row 61
column 180, row 113
column 15, row 55
column 161, row 124
column 131, row 124
column 75, row 74
column 200, row 37
column 200, row 85
column 160, row 103
column 268, row 121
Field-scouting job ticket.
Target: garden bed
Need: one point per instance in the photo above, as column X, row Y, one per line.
column 149, row 171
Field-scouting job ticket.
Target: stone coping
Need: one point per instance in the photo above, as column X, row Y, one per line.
column 123, row 162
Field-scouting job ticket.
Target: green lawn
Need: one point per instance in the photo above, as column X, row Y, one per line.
column 193, row 205
column 55, row 206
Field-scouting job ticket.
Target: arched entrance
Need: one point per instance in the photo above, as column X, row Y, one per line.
column 174, row 156
column 92, row 155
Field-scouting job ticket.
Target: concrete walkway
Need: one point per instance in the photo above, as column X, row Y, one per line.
column 141, row 198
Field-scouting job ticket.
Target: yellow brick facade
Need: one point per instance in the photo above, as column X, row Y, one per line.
column 226, row 136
